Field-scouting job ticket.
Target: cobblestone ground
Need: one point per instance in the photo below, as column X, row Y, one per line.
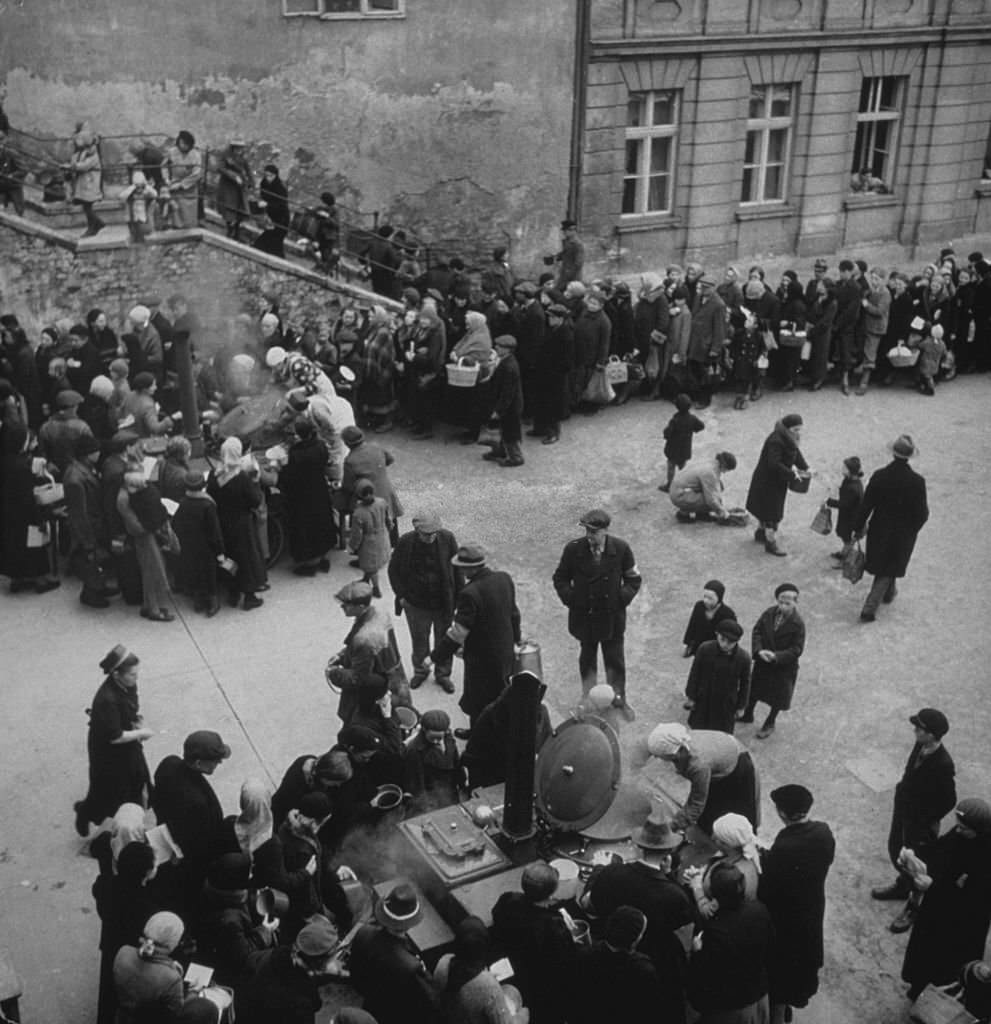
column 258, row 677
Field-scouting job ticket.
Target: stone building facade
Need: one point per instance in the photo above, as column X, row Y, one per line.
column 720, row 128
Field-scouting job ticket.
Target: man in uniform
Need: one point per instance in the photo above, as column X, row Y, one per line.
column 596, row 579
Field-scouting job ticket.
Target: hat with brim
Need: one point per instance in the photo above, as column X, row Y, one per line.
column 904, row 447
column 400, row 910
column 656, row 834
column 932, row 720
column 470, row 556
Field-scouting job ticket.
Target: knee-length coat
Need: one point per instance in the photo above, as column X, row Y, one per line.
column 773, row 682
column 769, row 484
column 894, row 510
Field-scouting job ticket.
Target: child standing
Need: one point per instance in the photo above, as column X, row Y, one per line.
column 678, row 437
column 139, row 196
column 932, row 351
column 847, row 504
column 119, row 369
column 371, row 522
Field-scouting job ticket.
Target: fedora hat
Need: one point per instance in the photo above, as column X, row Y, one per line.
column 904, row 447
column 401, row 909
column 469, row 556
column 656, row 833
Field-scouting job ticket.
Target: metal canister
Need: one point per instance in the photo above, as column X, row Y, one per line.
column 528, row 659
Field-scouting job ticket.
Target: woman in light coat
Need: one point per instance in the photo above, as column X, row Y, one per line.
column 86, row 171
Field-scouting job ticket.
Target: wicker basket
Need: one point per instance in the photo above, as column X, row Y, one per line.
column 901, row 356
column 461, row 376
column 788, row 338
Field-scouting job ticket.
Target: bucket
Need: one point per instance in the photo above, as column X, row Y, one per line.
column 527, row 659
column 387, row 798
column 567, row 878
column 408, row 719
column 271, row 902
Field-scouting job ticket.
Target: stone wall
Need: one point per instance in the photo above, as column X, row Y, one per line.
column 45, row 276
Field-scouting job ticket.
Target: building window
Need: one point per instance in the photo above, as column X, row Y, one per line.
column 769, row 126
column 878, row 118
column 344, row 8
column 651, row 140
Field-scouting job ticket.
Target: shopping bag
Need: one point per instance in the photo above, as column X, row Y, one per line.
column 806, row 351
column 934, row 1006
column 823, row 521
column 598, row 391
column 653, row 364
column 617, row 372
column 490, row 433
column 853, row 563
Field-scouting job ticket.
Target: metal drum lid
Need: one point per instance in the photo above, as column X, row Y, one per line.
column 578, row 772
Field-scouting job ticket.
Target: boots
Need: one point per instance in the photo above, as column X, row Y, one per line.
column 771, row 543
column 845, row 383
column 865, row 376
column 740, row 402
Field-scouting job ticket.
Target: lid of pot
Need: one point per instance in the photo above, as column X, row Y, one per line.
column 577, row 774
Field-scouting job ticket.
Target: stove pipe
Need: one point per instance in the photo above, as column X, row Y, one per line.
column 525, row 692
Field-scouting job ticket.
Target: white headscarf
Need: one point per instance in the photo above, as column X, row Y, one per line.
column 230, row 455
column 253, row 826
column 128, row 827
column 162, row 932
column 734, row 830
column 668, row 738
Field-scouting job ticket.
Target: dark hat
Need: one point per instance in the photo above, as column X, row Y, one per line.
column 204, row 745
column 853, row 464
column 624, row 926
column 119, row 657
column 792, row 799
column 358, row 592
column 68, row 399
column 947, row 250
column 821, row 264
column 727, row 460
column 359, row 739
column 506, row 341
column 729, row 628
column 317, row 939
column 298, row 403
column 401, row 909
column 433, row 293
column 903, row 447
column 328, row 198
column 974, row 813
column 85, row 444
column 656, row 833
column 975, row 257
column 469, row 556
column 861, row 265
column 527, row 288
column 716, row 586
column 597, row 518
column 845, row 265
column 783, row 588
column 792, row 420
column 334, row 766
column 194, row 480
column 352, row 436
column 556, row 309
column 412, row 296
column 143, row 380
column 315, row 805
column 568, row 223
column 710, row 281
column 932, row 721
column 79, row 330
column 435, row 720
column 231, row 871
column 539, row 881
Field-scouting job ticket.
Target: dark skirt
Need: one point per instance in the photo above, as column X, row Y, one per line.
column 736, row 793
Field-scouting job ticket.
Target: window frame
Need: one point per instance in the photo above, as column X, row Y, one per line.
column 874, row 116
column 645, row 135
column 765, row 126
column 365, row 12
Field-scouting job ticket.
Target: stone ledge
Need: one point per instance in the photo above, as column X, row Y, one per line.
column 648, row 222
column 871, row 201
column 983, row 189
column 30, row 227
column 765, row 211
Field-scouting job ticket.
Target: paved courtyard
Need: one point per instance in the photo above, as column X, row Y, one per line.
column 258, row 677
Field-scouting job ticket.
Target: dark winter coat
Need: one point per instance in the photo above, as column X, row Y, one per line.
column 650, row 315
column 618, row 985
column 197, row 526
column 18, row 511
column 592, row 333
column 792, row 887
column 401, row 577
column 719, row 684
column 391, row 978
column 847, row 506
column 236, row 501
column 531, row 326
column 277, row 990
column 894, row 510
column 83, row 497
column 309, row 511
column 701, row 628
column 596, row 593
column 555, row 361
column 678, row 437
column 506, row 392
column 925, row 794
column 369, row 461
column 773, row 682
column 705, row 344
column 769, row 484
column 185, row 801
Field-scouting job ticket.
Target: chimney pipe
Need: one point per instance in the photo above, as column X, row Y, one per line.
column 525, row 692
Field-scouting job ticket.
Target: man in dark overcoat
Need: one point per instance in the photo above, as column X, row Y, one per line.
column 506, row 396
column 793, row 888
column 718, row 687
column 596, row 579
column 531, row 325
column 487, row 626
column 707, row 339
column 554, row 362
column 893, row 512
column 926, row 793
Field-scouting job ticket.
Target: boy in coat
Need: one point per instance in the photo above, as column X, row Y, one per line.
column 718, row 687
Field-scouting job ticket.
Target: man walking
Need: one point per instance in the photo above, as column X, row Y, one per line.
column 423, row 580
column 596, row 579
column 487, row 626
column 893, row 512
column 927, row 791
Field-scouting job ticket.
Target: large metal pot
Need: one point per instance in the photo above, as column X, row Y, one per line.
column 527, row 659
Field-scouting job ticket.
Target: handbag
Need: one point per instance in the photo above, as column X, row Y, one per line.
column 635, row 370
column 822, row 522
column 770, row 342
column 617, row 372
column 49, row 493
column 598, row 391
column 800, row 484
column 934, row 1006
column 490, row 434
column 853, row 563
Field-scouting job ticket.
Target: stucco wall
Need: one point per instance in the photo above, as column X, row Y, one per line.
column 454, row 120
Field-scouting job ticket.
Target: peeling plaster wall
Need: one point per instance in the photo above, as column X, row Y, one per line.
column 454, row 120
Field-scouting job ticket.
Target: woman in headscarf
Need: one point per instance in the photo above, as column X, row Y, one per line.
column 706, row 614
column 780, row 463
column 736, row 845
column 377, row 393
column 102, row 338
column 469, row 405
column 310, row 516
column 651, row 323
column 426, row 361
column 118, row 772
column 148, row 981
column 469, row 991
column 820, row 330
column 253, row 826
column 238, row 496
column 720, row 769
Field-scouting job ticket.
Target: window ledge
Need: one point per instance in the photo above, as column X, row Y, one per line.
column 764, row 211
column 983, row 188
column 631, row 223
column 358, row 16
column 869, row 201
